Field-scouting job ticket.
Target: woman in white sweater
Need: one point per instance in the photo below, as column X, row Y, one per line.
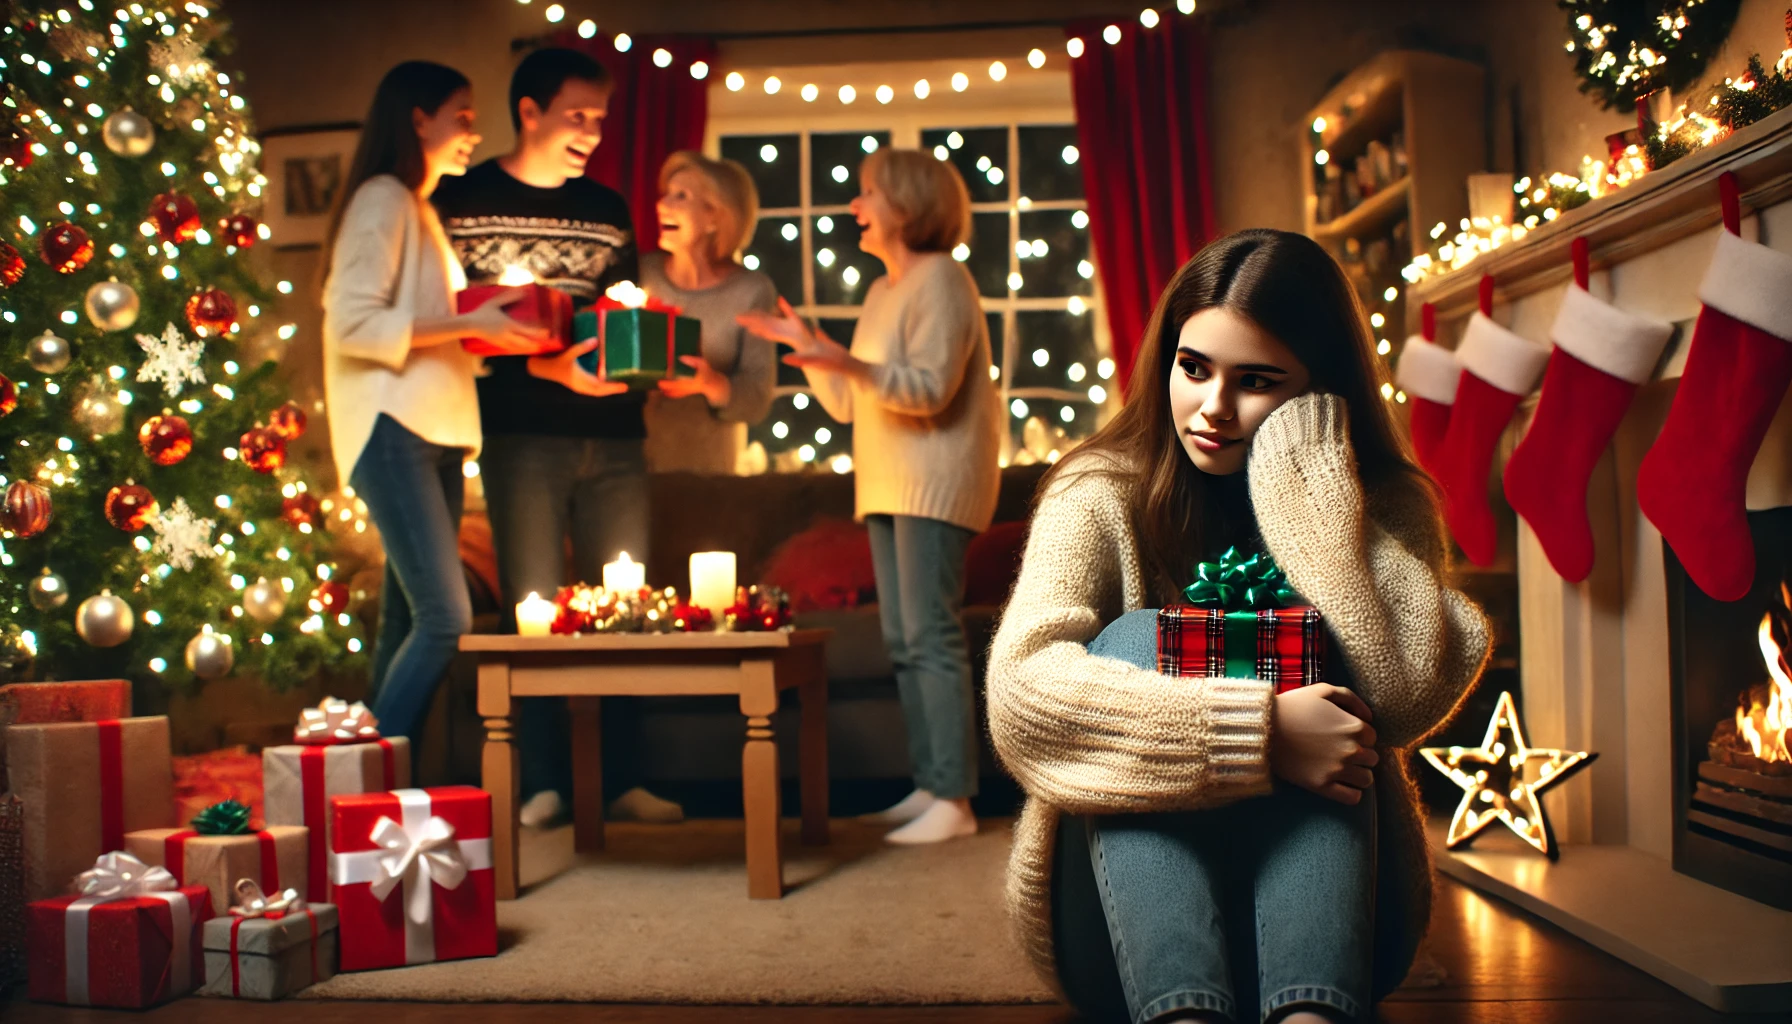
column 403, row 412
column 926, row 437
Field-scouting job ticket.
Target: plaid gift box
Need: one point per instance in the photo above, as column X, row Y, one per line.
column 1236, row 627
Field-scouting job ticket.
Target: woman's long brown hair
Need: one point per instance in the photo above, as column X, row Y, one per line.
column 1290, row 287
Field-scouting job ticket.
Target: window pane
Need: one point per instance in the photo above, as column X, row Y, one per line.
column 1050, row 167
column 1047, row 427
column 777, row 250
column 834, row 164
column 981, row 156
column 1055, row 350
column 988, row 261
column 842, row 271
column 1057, row 254
column 800, row 420
column 995, row 339
column 779, row 178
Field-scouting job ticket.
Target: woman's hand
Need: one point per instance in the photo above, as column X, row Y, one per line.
column 563, row 368
column 783, row 327
column 1320, row 740
column 491, row 324
column 709, row 382
column 811, row 350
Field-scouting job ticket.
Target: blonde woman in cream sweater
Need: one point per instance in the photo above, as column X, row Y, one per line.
column 926, row 437
column 1205, row 849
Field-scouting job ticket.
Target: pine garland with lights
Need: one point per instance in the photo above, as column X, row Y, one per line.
column 1626, row 49
column 1742, row 101
column 136, row 455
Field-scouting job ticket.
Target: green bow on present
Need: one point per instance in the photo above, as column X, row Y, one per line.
column 1236, row 583
column 224, row 818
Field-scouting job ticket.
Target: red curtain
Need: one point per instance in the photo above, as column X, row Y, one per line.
column 654, row 113
column 1141, row 123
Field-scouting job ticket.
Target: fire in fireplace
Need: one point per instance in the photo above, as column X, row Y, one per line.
column 1745, row 788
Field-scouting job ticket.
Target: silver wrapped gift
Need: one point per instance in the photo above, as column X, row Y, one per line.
column 273, row 957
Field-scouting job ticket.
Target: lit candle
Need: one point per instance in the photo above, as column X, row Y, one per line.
column 624, row 575
column 712, row 580
column 534, row 616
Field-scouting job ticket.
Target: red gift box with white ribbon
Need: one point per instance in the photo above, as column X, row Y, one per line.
column 411, row 876
column 129, row 938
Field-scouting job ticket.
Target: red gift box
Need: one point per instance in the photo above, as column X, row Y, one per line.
column 90, row 701
column 411, row 875
column 131, row 951
column 1284, row 646
column 540, row 306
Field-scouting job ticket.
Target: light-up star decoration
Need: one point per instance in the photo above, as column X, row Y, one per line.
column 1494, row 781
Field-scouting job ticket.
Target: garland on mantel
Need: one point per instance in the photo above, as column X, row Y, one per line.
column 1625, row 50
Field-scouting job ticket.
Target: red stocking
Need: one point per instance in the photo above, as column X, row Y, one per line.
column 1428, row 374
column 1498, row 369
column 1602, row 354
column 1738, row 368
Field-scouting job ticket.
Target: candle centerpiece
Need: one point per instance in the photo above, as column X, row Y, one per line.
column 535, row 616
column 713, row 580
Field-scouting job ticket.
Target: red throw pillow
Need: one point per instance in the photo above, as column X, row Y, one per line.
column 992, row 562
column 826, row 566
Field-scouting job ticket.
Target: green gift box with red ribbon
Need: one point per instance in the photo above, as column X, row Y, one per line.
column 639, row 343
column 1240, row 622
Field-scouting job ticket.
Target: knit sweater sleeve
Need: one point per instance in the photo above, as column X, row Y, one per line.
column 363, row 317
column 1096, row 735
column 940, row 326
column 1414, row 645
column 755, row 371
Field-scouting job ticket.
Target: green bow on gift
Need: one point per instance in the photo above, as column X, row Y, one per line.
column 1236, row 583
column 224, row 818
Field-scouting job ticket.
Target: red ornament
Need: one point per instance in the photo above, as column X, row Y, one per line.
column 288, row 421
column 301, row 510
column 689, row 618
column 238, row 229
column 211, row 312
column 176, row 217
column 26, row 509
column 9, row 395
column 66, row 247
column 130, row 506
column 15, row 146
column 12, row 265
column 330, row 598
column 166, row 439
column 263, row 450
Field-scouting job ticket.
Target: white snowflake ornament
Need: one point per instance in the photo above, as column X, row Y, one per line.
column 182, row 536
column 180, row 55
column 171, row 359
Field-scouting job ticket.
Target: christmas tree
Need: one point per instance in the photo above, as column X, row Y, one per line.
column 150, row 528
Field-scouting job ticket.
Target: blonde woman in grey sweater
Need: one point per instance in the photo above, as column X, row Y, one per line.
column 1207, row 849
column 926, row 437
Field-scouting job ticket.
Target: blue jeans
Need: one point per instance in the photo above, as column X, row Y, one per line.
column 920, row 593
column 414, row 492
column 538, row 489
column 1247, row 910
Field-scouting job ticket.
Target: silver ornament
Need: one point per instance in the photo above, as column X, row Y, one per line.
column 112, row 305
column 99, row 411
column 104, row 620
column 49, row 592
column 47, row 353
column 128, row 133
column 264, row 601
column 209, row 654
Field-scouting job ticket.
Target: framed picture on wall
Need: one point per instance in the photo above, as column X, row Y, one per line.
column 305, row 168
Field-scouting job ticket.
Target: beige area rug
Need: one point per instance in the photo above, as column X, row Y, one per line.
column 662, row 915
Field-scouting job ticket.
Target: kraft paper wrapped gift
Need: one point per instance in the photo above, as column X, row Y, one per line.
column 84, row 785
column 128, row 939
column 300, row 778
column 275, row 858
column 270, row 955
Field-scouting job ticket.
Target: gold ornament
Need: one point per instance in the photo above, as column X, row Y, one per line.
column 99, row 412
column 48, row 353
column 209, row 654
column 264, row 601
column 104, row 620
column 1492, row 777
column 48, row 592
column 112, row 306
column 128, row 133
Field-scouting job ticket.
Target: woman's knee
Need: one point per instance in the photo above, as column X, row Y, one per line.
column 444, row 616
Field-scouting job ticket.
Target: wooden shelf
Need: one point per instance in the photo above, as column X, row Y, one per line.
column 1371, row 217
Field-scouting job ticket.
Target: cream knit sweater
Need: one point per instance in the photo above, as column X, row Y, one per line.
column 1090, row 735
column 927, row 425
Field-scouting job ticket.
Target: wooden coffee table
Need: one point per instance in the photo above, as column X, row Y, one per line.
column 586, row 668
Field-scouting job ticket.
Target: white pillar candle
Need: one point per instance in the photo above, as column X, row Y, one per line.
column 534, row 616
column 712, row 580
column 624, row 575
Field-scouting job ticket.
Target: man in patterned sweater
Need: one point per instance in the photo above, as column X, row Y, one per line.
column 564, row 452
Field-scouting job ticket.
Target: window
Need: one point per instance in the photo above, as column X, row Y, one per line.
column 1029, row 253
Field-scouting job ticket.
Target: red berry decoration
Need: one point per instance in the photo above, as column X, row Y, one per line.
column 9, row 395
column 66, row 247
column 166, row 439
column 15, row 146
column 26, row 509
column 288, row 421
column 263, row 450
column 176, row 217
column 211, row 312
column 130, row 506
column 238, row 229
column 330, row 597
column 12, row 265
column 302, row 510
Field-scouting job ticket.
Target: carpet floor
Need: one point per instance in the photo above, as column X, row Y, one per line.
column 662, row 915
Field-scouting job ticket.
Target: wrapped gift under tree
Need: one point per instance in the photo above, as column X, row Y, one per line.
column 1240, row 622
column 538, row 306
column 220, row 850
column 640, row 339
column 270, row 946
column 129, row 938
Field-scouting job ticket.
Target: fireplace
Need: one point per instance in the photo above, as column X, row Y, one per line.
column 1732, row 704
